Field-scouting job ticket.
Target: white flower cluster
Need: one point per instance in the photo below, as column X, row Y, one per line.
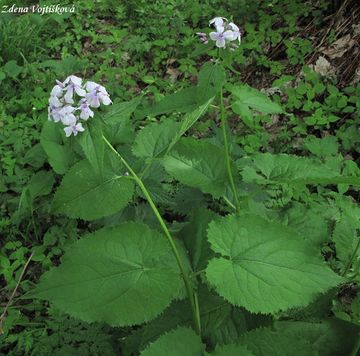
column 61, row 102
column 226, row 32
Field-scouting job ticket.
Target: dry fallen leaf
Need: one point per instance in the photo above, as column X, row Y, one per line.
column 173, row 73
column 323, row 67
column 339, row 47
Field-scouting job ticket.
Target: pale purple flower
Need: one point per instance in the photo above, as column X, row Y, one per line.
column 55, row 101
column 86, row 112
column 221, row 36
column 67, row 116
column 202, row 37
column 236, row 31
column 97, row 95
column 73, row 129
column 217, row 21
column 63, row 95
column 73, row 84
column 54, row 112
column 56, row 91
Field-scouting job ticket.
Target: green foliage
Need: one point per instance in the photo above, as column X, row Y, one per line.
column 154, row 139
column 248, row 99
column 264, row 258
column 101, row 252
column 198, row 164
column 87, row 195
column 181, row 341
column 129, row 280
column 59, row 154
column 288, row 169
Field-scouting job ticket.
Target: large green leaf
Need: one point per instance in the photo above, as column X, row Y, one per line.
column 188, row 121
column 119, row 128
column 198, row 164
column 248, row 99
column 121, row 111
column 59, row 154
column 158, row 138
column 195, row 238
column 265, row 266
column 269, row 168
column 41, row 183
column 122, row 276
column 328, row 338
column 87, row 195
column 346, row 238
column 211, row 78
column 179, row 342
column 312, row 221
column 154, row 139
column 221, row 323
column 185, row 100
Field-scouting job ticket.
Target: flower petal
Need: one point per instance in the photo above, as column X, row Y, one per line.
column 68, row 131
column 220, row 43
column 80, row 91
column 229, row 35
column 214, row 36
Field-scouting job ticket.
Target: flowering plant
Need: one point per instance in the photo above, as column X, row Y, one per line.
column 212, row 252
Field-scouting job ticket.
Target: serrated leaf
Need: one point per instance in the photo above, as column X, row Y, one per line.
column 221, row 323
column 244, row 112
column 35, row 156
column 302, row 338
column 198, row 164
column 269, row 168
column 41, row 183
column 119, row 127
column 248, row 99
column 231, row 350
column 211, row 78
column 60, row 155
column 188, row 121
column 195, row 238
column 185, row 100
column 264, row 266
column 124, row 275
column 119, row 112
column 12, row 69
column 271, row 343
column 154, row 139
column 86, row 195
column 179, row 342
column 310, row 221
column 322, row 147
column 346, row 238
column 93, row 146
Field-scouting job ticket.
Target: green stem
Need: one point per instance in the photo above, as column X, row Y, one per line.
column 352, row 258
column 185, row 276
column 227, row 155
column 356, row 347
column 232, row 206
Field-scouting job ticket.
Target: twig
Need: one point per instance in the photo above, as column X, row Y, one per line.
column 3, row 315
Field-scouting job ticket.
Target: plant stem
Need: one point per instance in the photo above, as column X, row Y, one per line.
column 8, row 304
column 185, row 276
column 227, row 155
column 352, row 258
column 356, row 347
